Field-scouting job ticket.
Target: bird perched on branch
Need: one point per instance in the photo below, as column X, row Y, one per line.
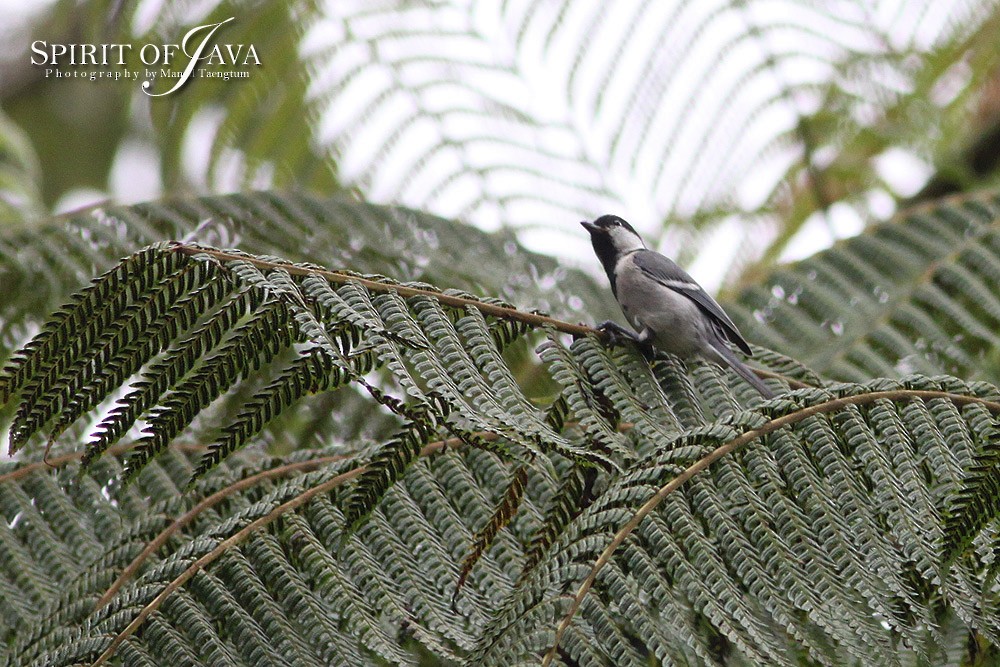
column 669, row 310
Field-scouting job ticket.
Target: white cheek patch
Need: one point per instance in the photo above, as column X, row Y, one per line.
column 624, row 240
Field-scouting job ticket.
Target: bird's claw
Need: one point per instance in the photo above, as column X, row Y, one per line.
column 619, row 335
column 616, row 334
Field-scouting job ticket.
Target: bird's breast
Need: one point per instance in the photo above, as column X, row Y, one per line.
column 676, row 322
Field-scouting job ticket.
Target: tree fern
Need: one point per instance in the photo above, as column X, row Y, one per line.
column 398, row 102
column 164, row 373
column 663, row 512
column 504, row 512
column 922, row 291
column 666, row 514
column 974, row 505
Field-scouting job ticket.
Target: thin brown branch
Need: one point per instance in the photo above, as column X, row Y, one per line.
column 502, row 312
column 703, row 463
column 245, row 532
column 65, row 459
column 204, row 504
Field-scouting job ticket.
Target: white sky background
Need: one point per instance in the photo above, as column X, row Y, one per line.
column 661, row 127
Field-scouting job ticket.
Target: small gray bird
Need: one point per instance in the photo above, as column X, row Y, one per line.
column 666, row 306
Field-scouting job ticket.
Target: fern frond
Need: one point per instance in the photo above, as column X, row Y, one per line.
column 587, row 405
column 164, row 373
column 977, row 502
column 386, row 467
column 59, row 332
column 163, row 316
column 311, row 373
column 775, row 551
column 921, row 295
column 861, row 418
column 505, row 510
column 557, row 412
column 266, row 332
column 806, row 530
column 573, row 496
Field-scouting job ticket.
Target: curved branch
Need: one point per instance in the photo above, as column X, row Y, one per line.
column 502, row 312
column 207, row 502
column 245, row 532
column 212, row 555
column 70, row 457
column 703, row 463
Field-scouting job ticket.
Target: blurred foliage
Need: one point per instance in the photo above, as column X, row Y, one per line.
column 806, row 118
column 76, row 141
column 20, row 176
column 920, row 298
column 75, row 125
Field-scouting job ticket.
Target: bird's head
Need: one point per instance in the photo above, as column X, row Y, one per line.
column 612, row 237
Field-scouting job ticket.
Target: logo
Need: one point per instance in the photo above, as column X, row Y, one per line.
column 198, row 55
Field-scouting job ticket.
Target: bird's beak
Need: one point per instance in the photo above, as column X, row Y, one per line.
column 589, row 226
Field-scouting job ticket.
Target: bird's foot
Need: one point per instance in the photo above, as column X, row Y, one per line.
column 616, row 334
column 619, row 335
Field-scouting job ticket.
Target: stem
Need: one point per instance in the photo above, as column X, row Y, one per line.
column 233, row 540
column 703, row 463
column 502, row 312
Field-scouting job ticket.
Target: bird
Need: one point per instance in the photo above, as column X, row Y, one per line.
column 669, row 310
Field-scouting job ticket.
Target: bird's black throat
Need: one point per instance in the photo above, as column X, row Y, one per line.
column 606, row 253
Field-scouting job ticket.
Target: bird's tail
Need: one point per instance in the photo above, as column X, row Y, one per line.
column 729, row 358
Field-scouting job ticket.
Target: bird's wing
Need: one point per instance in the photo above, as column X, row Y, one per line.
column 664, row 271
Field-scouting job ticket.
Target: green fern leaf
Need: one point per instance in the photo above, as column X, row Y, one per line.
column 72, row 317
column 386, row 467
column 47, row 375
column 254, row 343
column 922, row 294
column 575, row 494
column 164, row 373
column 161, row 317
column 311, row 373
column 505, row 510
column 973, row 506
